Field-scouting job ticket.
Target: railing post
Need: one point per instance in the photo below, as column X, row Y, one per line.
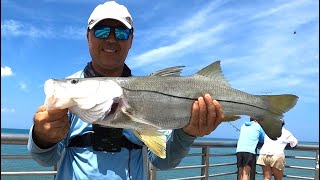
column 149, row 169
column 253, row 165
column 152, row 172
column 205, row 161
column 55, row 168
column 317, row 165
column 238, row 173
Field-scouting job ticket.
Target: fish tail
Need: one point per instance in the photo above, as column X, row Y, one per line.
column 280, row 104
column 277, row 105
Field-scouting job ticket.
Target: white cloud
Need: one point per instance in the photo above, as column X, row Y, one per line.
column 6, row 71
column 72, row 32
column 17, row 28
column 13, row 28
column 7, row 110
column 182, row 46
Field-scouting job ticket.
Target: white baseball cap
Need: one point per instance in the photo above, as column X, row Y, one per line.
column 110, row 10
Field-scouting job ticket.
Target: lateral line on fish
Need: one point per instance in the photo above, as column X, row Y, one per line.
column 159, row 93
column 219, row 100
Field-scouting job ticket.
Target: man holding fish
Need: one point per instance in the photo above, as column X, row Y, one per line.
column 89, row 150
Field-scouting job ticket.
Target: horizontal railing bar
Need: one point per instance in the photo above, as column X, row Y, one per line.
column 200, row 166
column 223, row 164
column 298, row 177
column 195, row 154
column 16, row 139
column 300, row 167
column 300, row 147
column 13, row 157
column 188, row 178
column 285, row 175
column 215, row 144
column 223, row 174
column 184, row 167
column 211, row 155
column 301, row 157
column 215, row 155
column 189, row 167
column 27, row 173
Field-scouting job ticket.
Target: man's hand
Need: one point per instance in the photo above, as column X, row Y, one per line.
column 50, row 127
column 206, row 115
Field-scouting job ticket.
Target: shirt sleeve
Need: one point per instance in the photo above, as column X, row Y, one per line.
column 292, row 140
column 261, row 136
column 45, row 157
column 178, row 146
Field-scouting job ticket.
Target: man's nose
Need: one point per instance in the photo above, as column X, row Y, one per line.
column 111, row 37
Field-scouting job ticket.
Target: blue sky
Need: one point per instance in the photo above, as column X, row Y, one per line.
column 255, row 41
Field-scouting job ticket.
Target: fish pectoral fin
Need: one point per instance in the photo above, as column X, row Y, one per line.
column 154, row 140
column 230, row 118
column 127, row 111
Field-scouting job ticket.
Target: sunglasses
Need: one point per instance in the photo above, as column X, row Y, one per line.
column 103, row 32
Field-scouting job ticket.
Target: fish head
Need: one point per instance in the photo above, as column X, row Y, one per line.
column 85, row 93
column 58, row 94
column 71, row 88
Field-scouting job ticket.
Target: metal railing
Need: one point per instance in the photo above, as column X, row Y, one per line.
column 200, row 149
column 206, row 165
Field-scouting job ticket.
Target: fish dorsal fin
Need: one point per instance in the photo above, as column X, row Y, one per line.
column 170, row 71
column 213, row 71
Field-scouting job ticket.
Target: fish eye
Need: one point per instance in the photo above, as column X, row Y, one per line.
column 74, row 81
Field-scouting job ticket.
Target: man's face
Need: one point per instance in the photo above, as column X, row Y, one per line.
column 110, row 53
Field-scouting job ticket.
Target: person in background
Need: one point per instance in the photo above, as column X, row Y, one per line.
column 271, row 156
column 86, row 151
column 251, row 133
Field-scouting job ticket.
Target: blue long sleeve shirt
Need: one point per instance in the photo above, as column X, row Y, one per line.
column 85, row 163
column 250, row 134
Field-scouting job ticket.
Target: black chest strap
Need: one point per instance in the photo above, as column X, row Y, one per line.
column 88, row 140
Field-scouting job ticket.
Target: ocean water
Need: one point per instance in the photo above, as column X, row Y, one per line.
column 31, row 165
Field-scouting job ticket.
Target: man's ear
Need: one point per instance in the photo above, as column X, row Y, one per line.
column 131, row 40
column 88, row 35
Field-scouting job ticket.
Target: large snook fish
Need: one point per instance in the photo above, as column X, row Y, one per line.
column 162, row 100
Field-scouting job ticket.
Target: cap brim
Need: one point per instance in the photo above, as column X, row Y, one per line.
column 121, row 20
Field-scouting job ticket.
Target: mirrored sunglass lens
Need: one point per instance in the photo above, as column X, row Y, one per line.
column 102, row 32
column 122, row 34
